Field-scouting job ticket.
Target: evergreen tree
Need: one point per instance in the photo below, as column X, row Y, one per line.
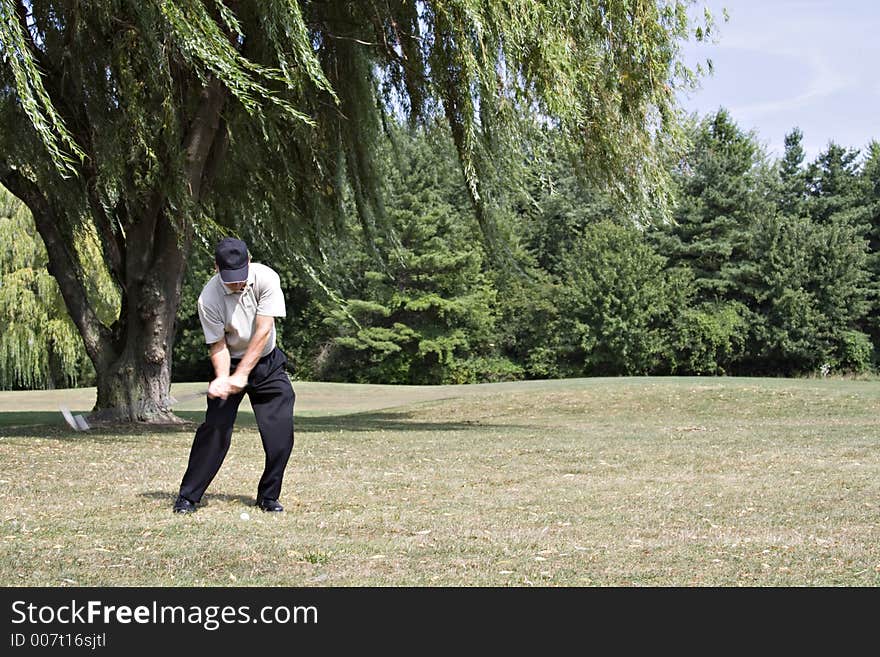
column 427, row 316
column 792, row 176
column 869, row 217
column 870, row 194
column 724, row 186
column 833, row 185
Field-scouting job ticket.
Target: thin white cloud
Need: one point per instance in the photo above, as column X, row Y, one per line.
column 786, row 63
column 825, row 80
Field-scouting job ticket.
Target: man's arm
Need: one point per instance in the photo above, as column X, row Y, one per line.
column 262, row 330
column 220, row 359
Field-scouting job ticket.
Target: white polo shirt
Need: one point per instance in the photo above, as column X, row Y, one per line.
column 232, row 315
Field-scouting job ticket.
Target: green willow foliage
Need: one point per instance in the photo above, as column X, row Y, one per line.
column 35, row 101
column 36, row 330
column 314, row 80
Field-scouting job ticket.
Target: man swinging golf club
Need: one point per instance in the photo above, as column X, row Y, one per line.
column 237, row 308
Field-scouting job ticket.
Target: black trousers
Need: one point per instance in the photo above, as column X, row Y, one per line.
column 272, row 399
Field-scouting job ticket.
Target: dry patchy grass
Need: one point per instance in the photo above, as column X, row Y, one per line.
column 620, row 482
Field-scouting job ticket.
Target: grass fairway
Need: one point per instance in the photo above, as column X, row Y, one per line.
column 621, row 482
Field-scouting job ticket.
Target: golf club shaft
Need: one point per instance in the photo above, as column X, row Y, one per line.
column 191, row 396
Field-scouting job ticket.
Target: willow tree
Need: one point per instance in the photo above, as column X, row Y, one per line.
column 39, row 345
column 152, row 121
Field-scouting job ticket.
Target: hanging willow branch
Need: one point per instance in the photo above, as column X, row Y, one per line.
column 18, row 55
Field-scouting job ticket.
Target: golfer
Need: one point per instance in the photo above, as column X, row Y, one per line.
column 237, row 308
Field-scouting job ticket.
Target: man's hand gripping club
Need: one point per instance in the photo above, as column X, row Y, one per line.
column 225, row 384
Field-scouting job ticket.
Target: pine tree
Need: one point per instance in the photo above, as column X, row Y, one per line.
column 724, row 186
column 427, row 316
column 870, row 192
column 833, row 185
column 869, row 217
column 792, row 193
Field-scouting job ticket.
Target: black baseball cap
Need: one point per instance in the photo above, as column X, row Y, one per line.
column 232, row 258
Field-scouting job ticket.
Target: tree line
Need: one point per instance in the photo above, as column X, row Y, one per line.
column 146, row 129
column 768, row 267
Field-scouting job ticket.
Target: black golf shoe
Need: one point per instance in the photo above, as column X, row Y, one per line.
column 183, row 505
column 272, row 506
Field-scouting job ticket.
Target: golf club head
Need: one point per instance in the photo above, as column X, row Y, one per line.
column 81, row 423
column 69, row 418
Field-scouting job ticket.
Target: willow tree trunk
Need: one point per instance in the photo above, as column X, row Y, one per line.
column 132, row 357
column 133, row 368
column 145, row 252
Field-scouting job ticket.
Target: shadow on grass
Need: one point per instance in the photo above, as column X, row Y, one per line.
column 50, row 424
column 385, row 421
column 167, row 498
column 355, row 422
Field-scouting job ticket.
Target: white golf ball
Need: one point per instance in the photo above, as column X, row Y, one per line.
column 245, row 516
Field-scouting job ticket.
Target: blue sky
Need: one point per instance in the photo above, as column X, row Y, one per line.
column 780, row 64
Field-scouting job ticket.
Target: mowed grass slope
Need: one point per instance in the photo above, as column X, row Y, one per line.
column 621, row 482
